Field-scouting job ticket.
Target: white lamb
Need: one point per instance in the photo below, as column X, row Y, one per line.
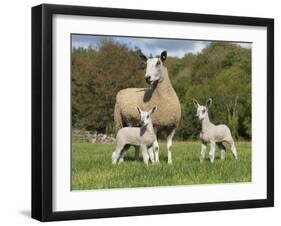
column 212, row 134
column 143, row 136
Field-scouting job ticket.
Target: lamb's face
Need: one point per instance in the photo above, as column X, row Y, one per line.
column 145, row 117
column 153, row 70
column 202, row 112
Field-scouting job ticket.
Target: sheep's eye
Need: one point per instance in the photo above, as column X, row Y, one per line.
column 147, row 116
column 158, row 63
column 203, row 111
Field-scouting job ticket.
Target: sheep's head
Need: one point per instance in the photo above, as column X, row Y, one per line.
column 154, row 67
column 145, row 116
column 202, row 111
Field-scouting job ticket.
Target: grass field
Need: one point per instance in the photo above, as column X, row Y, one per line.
column 92, row 168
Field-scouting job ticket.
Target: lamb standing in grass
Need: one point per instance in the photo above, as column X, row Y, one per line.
column 212, row 134
column 143, row 136
column 161, row 93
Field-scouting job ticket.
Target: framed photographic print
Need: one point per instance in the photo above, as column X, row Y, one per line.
column 146, row 112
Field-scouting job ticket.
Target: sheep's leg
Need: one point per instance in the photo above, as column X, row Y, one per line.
column 203, row 152
column 156, row 151
column 169, row 145
column 212, row 151
column 151, row 154
column 137, row 153
column 145, row 155
column 222, row 147
column 156, row 146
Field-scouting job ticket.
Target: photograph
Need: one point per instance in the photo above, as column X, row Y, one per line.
column 141, row 112
column 151, row 112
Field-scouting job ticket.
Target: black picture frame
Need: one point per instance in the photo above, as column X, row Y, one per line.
column 42, row 111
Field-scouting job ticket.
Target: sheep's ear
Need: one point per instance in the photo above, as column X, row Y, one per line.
column 153, row 110
column 139, row 110
column 209, row 103
column 143, row 58
column 164, row 56
column 195, row 103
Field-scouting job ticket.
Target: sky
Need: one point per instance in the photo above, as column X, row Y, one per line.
column 149, row 46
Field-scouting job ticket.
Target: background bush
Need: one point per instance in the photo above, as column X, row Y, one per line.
column 221, row 71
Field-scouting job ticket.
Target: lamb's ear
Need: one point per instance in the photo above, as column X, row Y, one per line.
column 139, row 110
column 164, row 56
column 143, row 58
column 153, row 110
column 195, row 103
column 209, row 103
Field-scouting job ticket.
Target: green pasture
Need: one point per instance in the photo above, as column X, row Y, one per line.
column 92, row 168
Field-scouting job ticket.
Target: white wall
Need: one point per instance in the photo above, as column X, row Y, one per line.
column 15, row 107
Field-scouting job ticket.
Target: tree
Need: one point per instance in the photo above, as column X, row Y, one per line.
column 97, row 77
column 221, row 71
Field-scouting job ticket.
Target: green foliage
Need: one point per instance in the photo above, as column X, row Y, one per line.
column 92, row 168
column 222, row 71
column 97, row 76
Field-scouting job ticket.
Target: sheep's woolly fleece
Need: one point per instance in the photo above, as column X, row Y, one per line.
column 161, row 94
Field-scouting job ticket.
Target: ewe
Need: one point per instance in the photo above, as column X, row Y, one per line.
column 161, row 94
column 143, row 136
column 212, row 134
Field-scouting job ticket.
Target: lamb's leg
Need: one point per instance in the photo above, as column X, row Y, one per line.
column 151, row 154
column 123, row 152
column 203, row 152
column 137, row 154
column 222, row 147
column 117, row 154
column 156, row 151
column 233, row 149
column 145, row 155
column 212, row 151
column 169, row 145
